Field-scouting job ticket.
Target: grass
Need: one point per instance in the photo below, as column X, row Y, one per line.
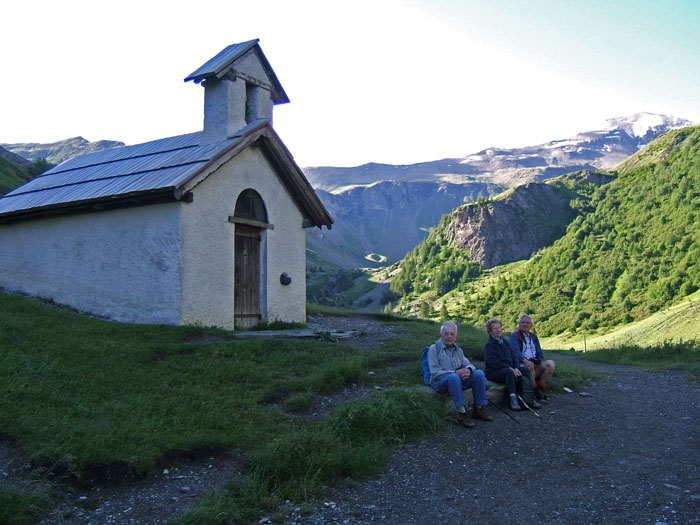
column 684, row 355
column 88, row 398
column 678, row 323
column 352, row 442
column 571, row 375
column 22, row 507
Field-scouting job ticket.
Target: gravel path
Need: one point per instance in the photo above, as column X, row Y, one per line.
column 627, row 450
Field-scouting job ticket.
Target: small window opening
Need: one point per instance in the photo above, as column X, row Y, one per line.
column 250, row 206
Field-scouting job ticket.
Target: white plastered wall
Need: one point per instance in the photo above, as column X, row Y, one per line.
column 208, row 245
column 122, row 264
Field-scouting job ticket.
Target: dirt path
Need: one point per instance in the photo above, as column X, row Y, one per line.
column 628, row 451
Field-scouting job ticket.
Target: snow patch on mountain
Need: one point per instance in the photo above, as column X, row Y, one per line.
column 640, row 124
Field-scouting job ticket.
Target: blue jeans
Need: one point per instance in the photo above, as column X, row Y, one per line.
column 454, row 385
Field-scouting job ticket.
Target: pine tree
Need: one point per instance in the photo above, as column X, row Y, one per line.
column 443, row 311
column 425, row 310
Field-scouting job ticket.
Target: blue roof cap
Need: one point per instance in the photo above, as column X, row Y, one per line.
column 222, row 63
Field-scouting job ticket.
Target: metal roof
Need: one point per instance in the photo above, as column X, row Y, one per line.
column 217, row 64
column 165, row 168
column 223, row 62
column 160, row 165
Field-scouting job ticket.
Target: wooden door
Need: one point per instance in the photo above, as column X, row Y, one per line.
column 246, row 296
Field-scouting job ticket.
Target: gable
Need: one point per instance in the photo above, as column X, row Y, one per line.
column 245, row 60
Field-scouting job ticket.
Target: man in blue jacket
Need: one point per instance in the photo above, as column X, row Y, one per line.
column 503, row 366
column 530, row 354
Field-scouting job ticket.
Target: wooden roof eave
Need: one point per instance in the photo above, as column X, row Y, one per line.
column 298, row 185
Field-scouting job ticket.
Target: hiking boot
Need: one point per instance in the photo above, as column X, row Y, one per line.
column 480, row 413
column 539, row 393
column 535, row 404
column 465, row 420
column 514, row 402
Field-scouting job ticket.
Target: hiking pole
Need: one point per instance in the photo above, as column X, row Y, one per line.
column 528, row 406
column 499, row 407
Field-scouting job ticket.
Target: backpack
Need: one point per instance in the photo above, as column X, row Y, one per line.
column 424, row 365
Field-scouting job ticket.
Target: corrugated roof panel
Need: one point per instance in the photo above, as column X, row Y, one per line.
column 123, row 168
column 110, row 155
column 98, row 189
column 214, row 65
column 126, row 167
column 164, row 163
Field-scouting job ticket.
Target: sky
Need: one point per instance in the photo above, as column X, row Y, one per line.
column 390, row 81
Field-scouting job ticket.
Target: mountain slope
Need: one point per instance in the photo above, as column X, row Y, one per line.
column 12, row 175
column 599, row 149
column 57, row 152
column 634, row 253
column 514, row 225
column 387, row 210
column 386, row 219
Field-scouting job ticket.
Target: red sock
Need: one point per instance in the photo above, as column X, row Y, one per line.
column 540, row 384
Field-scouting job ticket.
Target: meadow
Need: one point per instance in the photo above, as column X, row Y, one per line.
column 90, row 400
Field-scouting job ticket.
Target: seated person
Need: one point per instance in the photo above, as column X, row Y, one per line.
column 451, row 371
column 531, row 355
column 502, row 366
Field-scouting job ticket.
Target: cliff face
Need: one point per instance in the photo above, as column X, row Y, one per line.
column 387, row 219
column 512, row 227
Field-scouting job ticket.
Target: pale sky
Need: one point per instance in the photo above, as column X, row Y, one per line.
column 393, row 81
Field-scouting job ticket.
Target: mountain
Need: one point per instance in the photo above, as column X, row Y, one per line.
column 12, row 174
column 57, row 152
column 14, row 158
column 633, row 250
column 382, row 211
column 516, row 224
column 511, row 226
column 599, row 149
column 381, row 222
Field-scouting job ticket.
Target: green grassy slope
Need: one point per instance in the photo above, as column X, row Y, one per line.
column 632, row 252
column 12, row 175
column 436, row 267
column 680, row 322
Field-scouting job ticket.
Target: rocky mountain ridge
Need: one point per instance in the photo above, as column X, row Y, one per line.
column 516, row 224
column 15, row 158
column 392, row 216
column 382, row 211
column 387, row 219
column 57, row 152
column 509, row 167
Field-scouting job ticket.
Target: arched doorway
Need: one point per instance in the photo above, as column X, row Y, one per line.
column 250, row 218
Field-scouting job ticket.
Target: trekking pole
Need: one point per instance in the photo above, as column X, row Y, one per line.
column 504, row 411
column 528, row 406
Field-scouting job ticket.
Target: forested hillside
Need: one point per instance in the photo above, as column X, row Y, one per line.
column 509, row 227
column 633, row 250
